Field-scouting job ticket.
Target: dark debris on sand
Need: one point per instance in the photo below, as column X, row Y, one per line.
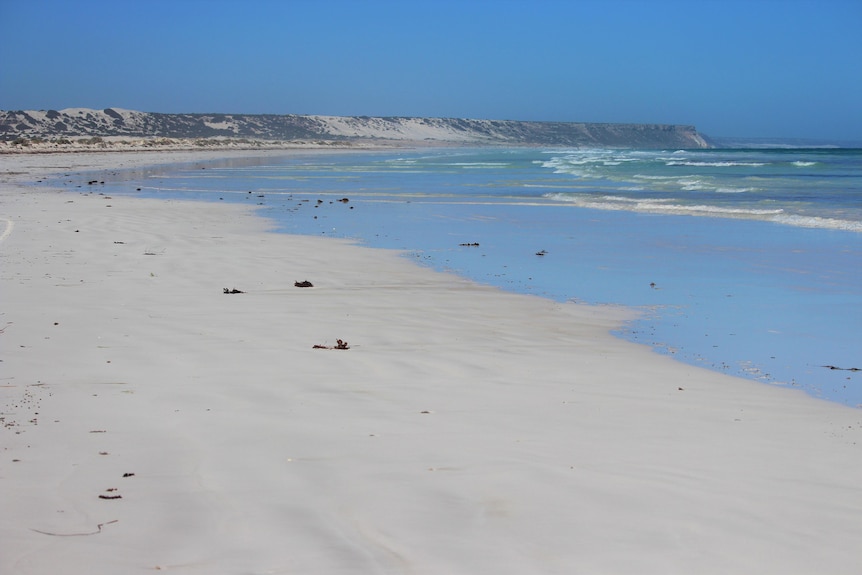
column 339, row 344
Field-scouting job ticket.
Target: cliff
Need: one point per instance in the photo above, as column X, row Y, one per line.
column 115, row 122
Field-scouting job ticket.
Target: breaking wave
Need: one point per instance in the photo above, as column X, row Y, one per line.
column 671, row 206
column 480, row 164
column 714, row 164
column 795, row 188
column 662, row 206
column 818, row 222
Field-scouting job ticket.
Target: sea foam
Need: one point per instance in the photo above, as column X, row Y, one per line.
column 818, row 222
column 714, row 164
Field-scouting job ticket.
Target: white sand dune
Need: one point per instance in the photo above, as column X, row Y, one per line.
column 465, row 431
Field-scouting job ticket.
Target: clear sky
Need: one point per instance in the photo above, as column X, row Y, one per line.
column 752, row 68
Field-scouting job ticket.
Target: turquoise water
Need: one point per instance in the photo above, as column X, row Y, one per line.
column 744, row 261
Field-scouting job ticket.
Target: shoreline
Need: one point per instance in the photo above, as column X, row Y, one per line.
column 466, row 429
column 760, row 348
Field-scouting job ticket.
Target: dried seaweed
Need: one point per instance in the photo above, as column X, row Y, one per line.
column 339, row 344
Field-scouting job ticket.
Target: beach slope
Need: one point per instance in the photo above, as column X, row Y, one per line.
column 153, row 422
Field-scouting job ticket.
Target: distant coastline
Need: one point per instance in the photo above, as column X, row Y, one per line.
column 114, row 128
column 778, row 143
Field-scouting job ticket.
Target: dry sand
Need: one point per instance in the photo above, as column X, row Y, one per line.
column 152, row 422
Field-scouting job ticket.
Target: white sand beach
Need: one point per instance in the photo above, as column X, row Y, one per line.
column 151, row 422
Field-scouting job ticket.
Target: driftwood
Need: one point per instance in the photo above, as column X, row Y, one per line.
column 339, row 344
column 303, row 284
column 472, row 245
column 234, row 290
column 843, row 368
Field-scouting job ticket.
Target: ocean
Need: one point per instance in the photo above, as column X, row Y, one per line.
column 745, row 261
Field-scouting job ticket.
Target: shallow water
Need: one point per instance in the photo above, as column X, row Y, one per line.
column 764, row 281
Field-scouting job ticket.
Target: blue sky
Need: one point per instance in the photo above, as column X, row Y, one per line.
column 754, row 68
